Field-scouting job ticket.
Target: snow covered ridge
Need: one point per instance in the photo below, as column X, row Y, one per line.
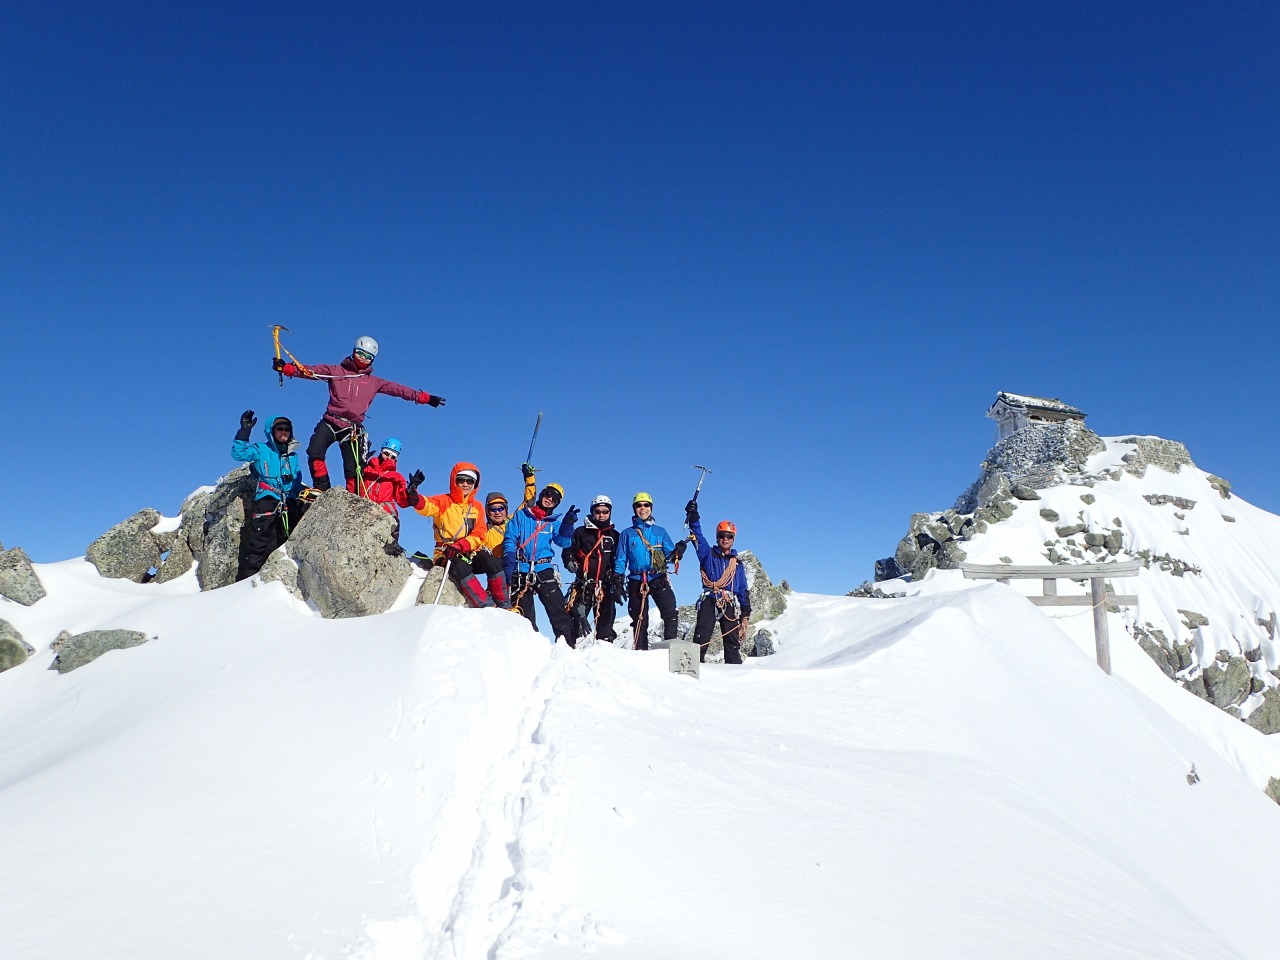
column 1209, row 591
column 943, row 775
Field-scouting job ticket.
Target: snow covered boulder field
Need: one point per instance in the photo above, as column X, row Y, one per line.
column 947, row 774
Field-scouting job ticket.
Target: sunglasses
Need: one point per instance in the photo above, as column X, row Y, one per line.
column 497, row 508
column 724, row 536
column 282, row 426
column 470, row 481
column 391, row 453
column 637, row 506
column 365, row 355
column 601, row 510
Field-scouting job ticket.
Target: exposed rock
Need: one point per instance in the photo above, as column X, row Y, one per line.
column 178, row 562
column 1087, row 498
column 1273, row 789
column 1182, row 503
column 1191, row 619
column 767, row 601
column 1168, row 455
column 1021, row 492
column 211, row 525
column 127, row 551
column 340, row 547
column 279, row 568
column 1033, row 458
column 13, row 649
column 1049, row 515
column 1114, row 541
column 1172, row 658
column 1222, row 486
column 889, row 569
column 75, row 651
column 1227, row 682
column 1069, row 530
column 18, row 579
column 869, row 591
column 1228, row 519
column 165, row 539
column 450, row 597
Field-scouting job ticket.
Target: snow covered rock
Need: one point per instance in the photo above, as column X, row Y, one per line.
column 211, row 524
column 282, row 569
column 13, row 649
column 449, row 597
column 127, row 551
column 18, row 580
column 340, row 547
column 74, row 651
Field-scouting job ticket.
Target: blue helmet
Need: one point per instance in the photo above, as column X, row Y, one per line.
column 392, row 444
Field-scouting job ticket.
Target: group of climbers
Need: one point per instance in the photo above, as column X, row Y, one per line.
column 514, row 550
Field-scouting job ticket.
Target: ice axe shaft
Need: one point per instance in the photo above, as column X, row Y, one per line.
column 275, row 333
column 536, row 427
column 443, row 580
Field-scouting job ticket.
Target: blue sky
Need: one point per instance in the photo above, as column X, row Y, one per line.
column 802, row 244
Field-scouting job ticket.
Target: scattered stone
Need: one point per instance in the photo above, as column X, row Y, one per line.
column 13, row 649
column 1192, row 620
column 340, row 547
column 1266, row 718
column 1095, row 539
column 1021, row 492
column 1228, row 519
column 18, row 579
column 1222, row 486
column 1088, row 497
column 1006, row 560
column 75, row 651
column 1070, row 530
column 1273, row 789
column 1050, row 515
column 1167, row 455
column 127, row 551
column 1114, row 542
column 1182, row 503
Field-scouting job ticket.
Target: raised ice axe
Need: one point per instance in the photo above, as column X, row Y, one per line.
column 275, row 333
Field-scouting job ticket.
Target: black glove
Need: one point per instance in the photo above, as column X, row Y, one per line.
column 247, row 420
column 571, row 515
column 515, row 583
column 618, row 584
column 277, row 365
column 526, row 471
column 436, row 401
column 411, row 495
column 571, row 565
column 691, row 515
column 416, row 478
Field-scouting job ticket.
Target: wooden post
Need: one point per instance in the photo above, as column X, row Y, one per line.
column 1098, row 590
column 1050, row 587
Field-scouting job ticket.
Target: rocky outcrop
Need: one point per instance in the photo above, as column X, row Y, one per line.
column 13, row 649
column 341, row 549
column 212, row 527
column 1032, row 459
column 18, row 580
column 1168, row 455
column 127, row 551
column 73, row 652
column 934, row 540
column 280, row 568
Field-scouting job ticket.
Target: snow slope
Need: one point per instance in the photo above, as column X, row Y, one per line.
column 943, row 775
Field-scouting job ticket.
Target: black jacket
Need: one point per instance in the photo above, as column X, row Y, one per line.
column 592, row 552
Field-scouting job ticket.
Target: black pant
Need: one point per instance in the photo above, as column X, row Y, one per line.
column 265, row 528
column 585, row 607
column 353, row 454
column 461, row 569
column 546, row 587
column 730, row 629
column 664, row 597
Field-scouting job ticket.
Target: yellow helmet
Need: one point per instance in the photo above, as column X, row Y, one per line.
column 642, row 497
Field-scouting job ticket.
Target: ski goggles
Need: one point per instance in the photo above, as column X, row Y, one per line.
column 387, row 452
column 497, row 508
column 365, row 355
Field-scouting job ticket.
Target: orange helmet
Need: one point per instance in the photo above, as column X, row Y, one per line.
column 726, row 526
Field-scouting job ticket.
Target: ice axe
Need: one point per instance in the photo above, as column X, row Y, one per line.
column 701, row 477
column 275, row 333
column 529, row 456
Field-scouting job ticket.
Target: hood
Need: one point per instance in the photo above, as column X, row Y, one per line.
column 267, row 424
column 455, row 492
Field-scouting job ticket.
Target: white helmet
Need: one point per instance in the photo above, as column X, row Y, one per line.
column 601, row 500
column 368, row 345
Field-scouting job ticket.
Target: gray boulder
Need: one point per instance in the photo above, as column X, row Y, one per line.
column 128, row 551
column 73, row 652
column 279, row 568
column 18, row 580
column 450, row 597
column 211, row 524
column 13, row 649
column 340, row 547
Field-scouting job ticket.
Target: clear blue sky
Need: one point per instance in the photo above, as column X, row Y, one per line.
column 804, row 244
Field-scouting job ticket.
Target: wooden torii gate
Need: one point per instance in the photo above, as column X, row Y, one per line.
column 1095, row 573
